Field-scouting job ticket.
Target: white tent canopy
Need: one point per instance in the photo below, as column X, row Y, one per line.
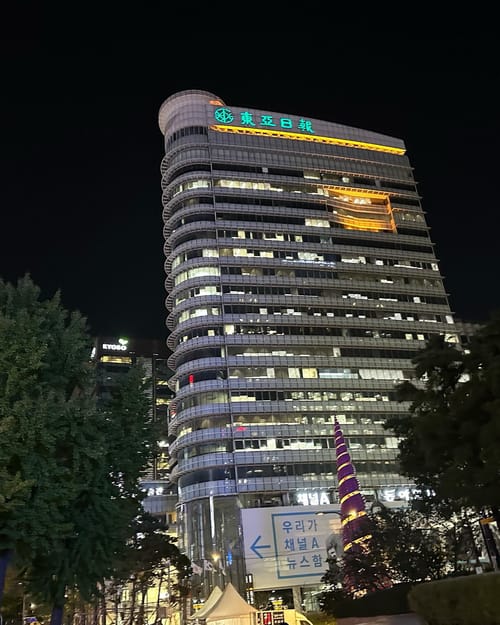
column 230, row 605
column 209, row 604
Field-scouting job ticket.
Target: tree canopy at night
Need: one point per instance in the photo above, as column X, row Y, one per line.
column 69, row 465
column 403, row 548
column 451, row 435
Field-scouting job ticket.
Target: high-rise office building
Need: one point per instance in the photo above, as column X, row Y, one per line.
column 301, row 282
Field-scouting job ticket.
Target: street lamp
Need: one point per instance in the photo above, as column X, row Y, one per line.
column 24, row 606
column 216, row 569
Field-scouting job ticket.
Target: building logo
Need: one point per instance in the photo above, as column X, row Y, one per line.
column 121, row 346
column 250, row 119
column 224, row 116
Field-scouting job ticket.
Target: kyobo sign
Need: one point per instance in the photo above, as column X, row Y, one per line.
column 249, row 119
column 121, row 346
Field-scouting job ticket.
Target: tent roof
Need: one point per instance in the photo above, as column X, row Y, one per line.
column 208, row 605
column 229, row 605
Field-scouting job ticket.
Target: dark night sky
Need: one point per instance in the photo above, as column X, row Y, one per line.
column 81, row 150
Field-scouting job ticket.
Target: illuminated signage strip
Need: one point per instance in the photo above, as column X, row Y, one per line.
column 296, row 136
column 357, row 192
column 115, row 347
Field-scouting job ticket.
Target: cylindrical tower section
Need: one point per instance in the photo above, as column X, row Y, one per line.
column 202, row 454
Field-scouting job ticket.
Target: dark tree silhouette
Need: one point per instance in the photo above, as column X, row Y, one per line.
column 451, row 435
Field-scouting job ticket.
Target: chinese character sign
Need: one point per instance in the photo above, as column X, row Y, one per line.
column 249, row 119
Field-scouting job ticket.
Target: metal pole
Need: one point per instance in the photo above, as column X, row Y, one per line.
column 153, row 402
column 23, row 613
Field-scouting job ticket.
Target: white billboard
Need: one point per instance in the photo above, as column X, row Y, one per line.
column 289, row 546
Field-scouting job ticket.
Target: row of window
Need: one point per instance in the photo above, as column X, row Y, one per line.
column 247, row 312
column 182, row 214
column 250, row 289
column 283, row 152
column 233, row 157
column 254, row 327
column 319, row 470
column 321, row 260
column 227, row 236
column 248, row 395
column 252, row 351
column 315, row 423
column 188, row 131
column 304, row 274
column 266, row 354
column 337, row 351
column 300, row 292
column 285, row 415
column 279, row 186
column 365, row 278
column 329, row 177
column 332, row 258
column 291, row 373
column 312, row 157
column 271, row 444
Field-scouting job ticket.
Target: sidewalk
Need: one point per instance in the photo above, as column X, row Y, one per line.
column 390, row 619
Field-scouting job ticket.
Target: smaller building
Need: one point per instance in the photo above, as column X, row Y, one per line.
column 113, row 357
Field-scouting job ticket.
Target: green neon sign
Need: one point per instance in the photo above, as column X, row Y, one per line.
column 225, row 115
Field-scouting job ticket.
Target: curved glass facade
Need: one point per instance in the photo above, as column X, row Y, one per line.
column 301, row 280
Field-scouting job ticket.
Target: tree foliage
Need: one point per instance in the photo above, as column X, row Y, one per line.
column 106, row 454
column 407, row 541
column 402, row 548
column 151, row 558
column 70, row 466
column 44, row 352
column 451, row 435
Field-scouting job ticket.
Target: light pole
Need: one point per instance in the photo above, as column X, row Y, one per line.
column 216, row 569
column 23, row 610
